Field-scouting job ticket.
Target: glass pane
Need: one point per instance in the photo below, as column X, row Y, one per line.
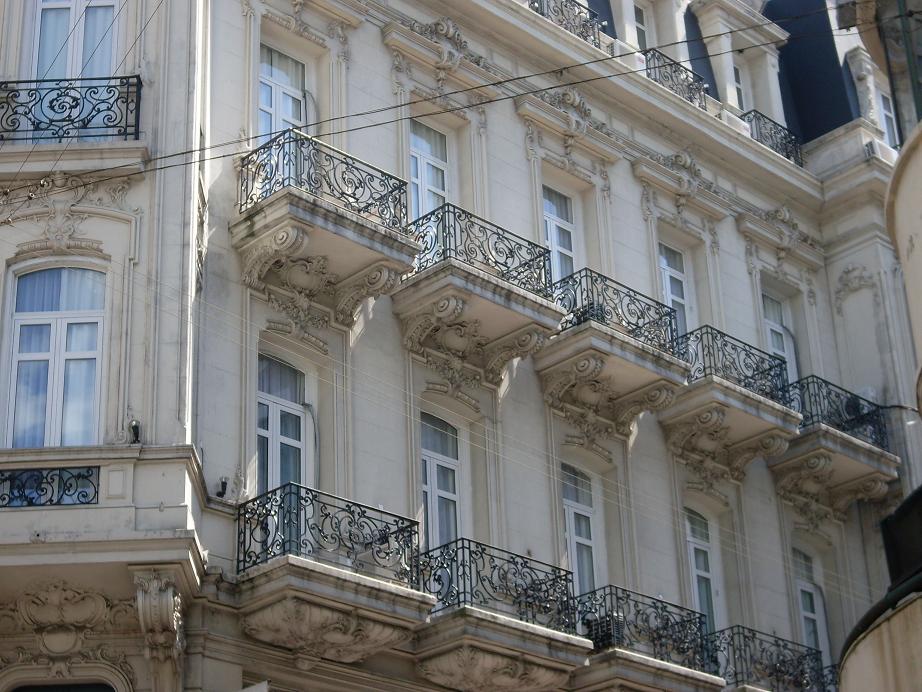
column 290, row 425
column 583, row 526
column 97, row 41
column 577, row 486
column 414, row 200
column 564, row 238
column 448, row 520
column 807, row 603
column 557, row 204
column 702, row 560
column 435, row 201
column 35, row 338
column 426, row 519
column 438, row 436
column 79, row 421
column 803, row 565
column 428, row 141
column 584, row 568
column 30, row 404
column 52, row 58
column 777, row 341
column 671, row 258
column 641, row 39
column 81, row 336
column 265, row 95
column 811, row 633
column 638, row 15
column 292, row 108
column 436, row 176
column 706, row 601
column 262, row 463
column 277, row 379
column 698, row 526
column 681, row 321
column 425, row 472
column 773, row 310
column 281, row 68
column 52, row 290
column 262, row 416
column 289, row 464
column 566, row 265
column 265, row 123
column 676, row 287
column 445, row 479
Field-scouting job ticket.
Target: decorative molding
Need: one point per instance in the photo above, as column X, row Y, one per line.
column 312, row 631
column 852, row 279
column 375, row 281
column 868, row 489
column 767, row 446
column 259, row 256
column 802, row 485
column 519, row 344
column 295, row 24
column 471, row 669
column 160, row 615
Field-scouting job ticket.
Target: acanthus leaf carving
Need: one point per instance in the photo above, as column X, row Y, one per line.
column 519, row 344
column 854, row 278
column 766, row 446
column 868, row 489
column 160, row 614
column 472, row 669
column 259, row 257
column 377, row 280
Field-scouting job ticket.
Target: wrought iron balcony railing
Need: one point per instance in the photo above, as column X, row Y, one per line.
column 46, row 487
column 774, row 135
column 830, row 679
column 587, row 295
column 294, row 159
column 711, row 352
column 58, row 109
column 465, row 572
column 674, row 76
column 450, row 232
column 820, row 401
column 616, row 617
column 300, row 521
column 743, row 656
column 572, row 16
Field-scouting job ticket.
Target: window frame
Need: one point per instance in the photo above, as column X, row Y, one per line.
column 819, row 616
column 278, row 91
column 649, row 25
column 769, row 325
column 551, row 241
column 423, row 159
column 714, row 575
column 428, row 485
column 686, row 279
column 888, row 119
column 73, row 54
column 57, row 357
column 739, row 86
column 273, row 435
column 571, row 508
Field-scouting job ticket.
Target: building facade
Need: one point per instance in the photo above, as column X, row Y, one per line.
column 422, row 345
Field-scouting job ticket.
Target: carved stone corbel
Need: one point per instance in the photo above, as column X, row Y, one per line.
column 871, row 489
column 703, row 435
column 519, row 344
column 160, row 614
column 377, row 280
column 652, row 398
column 802, row 485
column 766, row 446
column 260, row 255
column 470, row 668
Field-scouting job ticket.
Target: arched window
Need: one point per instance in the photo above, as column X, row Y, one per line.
column 704, row 561
column 576, row 489
column 57, row 343
column 279, row 424
column 810, row 605
column 441, row 481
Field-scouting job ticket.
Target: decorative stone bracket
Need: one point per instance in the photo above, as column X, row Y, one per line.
column 589, row 401
column 160, row 614
column 471, row 669
column 454, row 347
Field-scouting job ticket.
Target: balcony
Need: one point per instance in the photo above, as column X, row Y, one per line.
column 572, row 16
column 680, row 80
column 326, row 577
column 612, row 338
column 774, row 135
column 480, row 296
column 744, row 656
column 70, row 125
column 319, row 231
column 841, row 454
column 733, row 410
column 512, row 615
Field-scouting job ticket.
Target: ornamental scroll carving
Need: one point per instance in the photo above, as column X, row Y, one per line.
column 472, row 669
column 854, row 278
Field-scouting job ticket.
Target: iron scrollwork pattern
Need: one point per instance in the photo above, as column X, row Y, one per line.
column 465, row 572
column 742, row 656
column 616, row 617
column 830, row 681
column 588, row 295
column 47, row 487
column 572, row 16
column 450, row 232
column 294, row 159
column 300, row 521
column 58, row 109
column 820, row 401
column 710, row 351
column 775, row 136
column 676, row 77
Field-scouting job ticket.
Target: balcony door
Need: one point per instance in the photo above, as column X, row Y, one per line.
column 811, row 605
column 441, row 481
column 74, row 38
column 280, row 425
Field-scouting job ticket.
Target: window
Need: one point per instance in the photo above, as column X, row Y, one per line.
column 84, row 28
column 810, row 604
column 778, row 337
column 279, row 424
column 675, row 282
column 888, row 120
column 738, row 85
column 57, row 339
column 644, row 33
column 440, row 480
column 282, row 95
column 558, row 232
column 703, row 562
column 428, row 169
column 577, row 505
